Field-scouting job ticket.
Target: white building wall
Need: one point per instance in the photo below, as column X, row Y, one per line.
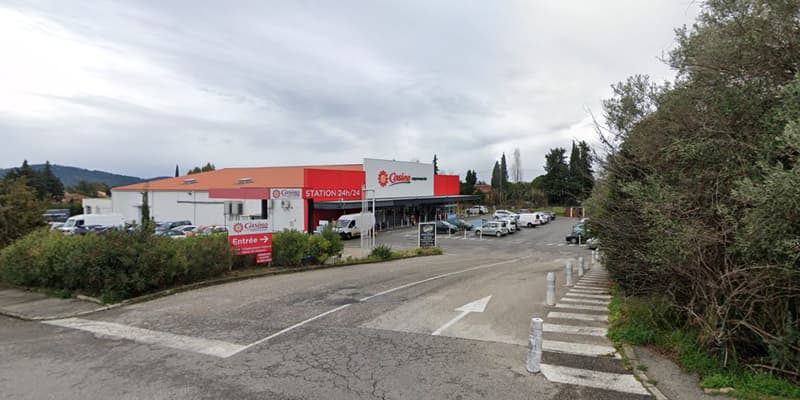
column 97, row 206
column 201, row 210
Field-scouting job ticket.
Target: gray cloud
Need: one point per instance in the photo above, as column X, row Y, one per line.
column 151, row 83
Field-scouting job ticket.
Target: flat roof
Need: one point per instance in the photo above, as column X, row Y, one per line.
column 234, row 178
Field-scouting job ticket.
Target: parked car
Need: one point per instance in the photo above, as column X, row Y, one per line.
column 168, row 225
column 350, row 225
column 186, row 229
column 56, row 215
column 461, row 224
column 171, row 233
column 499, row 214
column 530, row 220
column 579, row 234
column 211, row 229
column 593, row 243
column 477, row 210
column 491, row 228
column 511, row 224
column 77, row 221
column 550, row 214
column 445, row 227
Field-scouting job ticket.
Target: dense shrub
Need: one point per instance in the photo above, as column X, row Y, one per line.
column 289, row 247
column 384, row 252
column 113, row 266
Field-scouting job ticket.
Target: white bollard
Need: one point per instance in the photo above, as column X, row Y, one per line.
column 551, row 289
column 465, row 233
column 535, row 346
column 594, row 256
column 569, row 273
column 580, row 266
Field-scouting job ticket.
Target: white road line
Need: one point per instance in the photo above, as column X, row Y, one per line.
column 297, row 325
column 595, row 379
column 209, row 347
column 590, row 296
column 574, row 330
column 579, row 317
column 438, row 277
column 585, row 301
column 560, row 244
column 584, row 280
column 581, row 349
column 581, row 307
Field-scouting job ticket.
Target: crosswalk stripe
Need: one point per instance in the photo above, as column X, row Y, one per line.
column 590, row 296
column 585, row 301
column 581, row 349
column 600, row 380
column 577, row 316
column 588, row 285
column 209, row 347
column 589, row 291
column 574, row 329
column 581, row 307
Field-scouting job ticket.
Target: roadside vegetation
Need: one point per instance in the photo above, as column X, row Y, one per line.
column 698, row 197
column 120, row 265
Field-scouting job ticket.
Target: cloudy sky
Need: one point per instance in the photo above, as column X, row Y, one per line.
column 136, row 87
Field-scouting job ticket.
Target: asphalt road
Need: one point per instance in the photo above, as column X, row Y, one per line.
column 447, row 327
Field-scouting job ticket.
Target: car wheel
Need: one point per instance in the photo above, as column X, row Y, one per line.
column 498, row 234
column 348, row 236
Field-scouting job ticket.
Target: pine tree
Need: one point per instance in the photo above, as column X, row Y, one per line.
column 435, row 165
column 177, row 171
column 52, row 187
column 503, row 172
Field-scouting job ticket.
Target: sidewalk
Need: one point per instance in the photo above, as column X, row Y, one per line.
column 33, row 306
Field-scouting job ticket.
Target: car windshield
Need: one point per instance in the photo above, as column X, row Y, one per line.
column 342, row 223
column 70, row 223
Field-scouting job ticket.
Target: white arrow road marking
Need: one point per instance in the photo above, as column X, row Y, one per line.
column 475, row 306
column 600, row 380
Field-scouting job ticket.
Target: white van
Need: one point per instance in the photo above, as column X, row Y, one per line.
column 531, row 220
column 350, row 225
column 105, row 220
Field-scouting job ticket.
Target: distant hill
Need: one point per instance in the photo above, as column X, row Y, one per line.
column 70, row 176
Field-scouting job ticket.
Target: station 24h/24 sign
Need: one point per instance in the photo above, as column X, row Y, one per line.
column 252, row 237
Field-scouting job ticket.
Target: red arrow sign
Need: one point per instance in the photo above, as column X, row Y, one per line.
column 252, row 243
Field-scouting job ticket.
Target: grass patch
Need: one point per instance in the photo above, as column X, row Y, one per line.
column 650, row 321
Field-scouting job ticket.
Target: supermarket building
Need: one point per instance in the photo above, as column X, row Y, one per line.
column 297, row 197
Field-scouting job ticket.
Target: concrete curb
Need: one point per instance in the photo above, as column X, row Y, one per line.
column 191, row 286
column 630, row 354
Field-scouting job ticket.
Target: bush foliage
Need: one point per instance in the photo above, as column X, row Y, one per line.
column 701, row 184
column 113, row 266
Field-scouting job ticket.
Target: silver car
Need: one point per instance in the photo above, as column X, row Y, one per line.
column 494, row 228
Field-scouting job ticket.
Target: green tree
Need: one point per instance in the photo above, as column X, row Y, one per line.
column 468, row 186
column 556, row 179
column 435, row 165
column 20, row 211
column 206, row 168
column 177, row 171
column 497, row 177
column 503, row 172
column 52, row 188
column 699, row 198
